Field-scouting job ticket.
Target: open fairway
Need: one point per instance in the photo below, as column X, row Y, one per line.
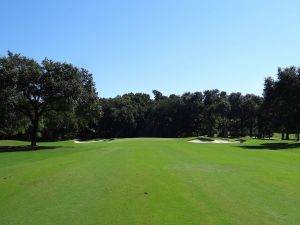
column 151, row 181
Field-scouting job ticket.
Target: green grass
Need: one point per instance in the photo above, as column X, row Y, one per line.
column 151, row 181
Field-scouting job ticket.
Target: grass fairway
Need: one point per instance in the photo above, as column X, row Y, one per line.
column 151, row 181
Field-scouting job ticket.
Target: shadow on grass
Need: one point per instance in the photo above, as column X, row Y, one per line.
column 23, row 148
column 272, row 146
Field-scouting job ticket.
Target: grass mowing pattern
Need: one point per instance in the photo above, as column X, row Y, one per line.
column 151, row 181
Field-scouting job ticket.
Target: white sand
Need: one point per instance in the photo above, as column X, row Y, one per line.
column 198, row 141
column 86, row 142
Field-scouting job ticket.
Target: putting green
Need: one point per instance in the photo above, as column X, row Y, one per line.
column 151, row 181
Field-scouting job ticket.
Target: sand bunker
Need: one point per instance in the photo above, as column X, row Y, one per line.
column 86, row 142
column 201, row 141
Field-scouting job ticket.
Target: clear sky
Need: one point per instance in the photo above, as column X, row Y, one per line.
column 168, row 45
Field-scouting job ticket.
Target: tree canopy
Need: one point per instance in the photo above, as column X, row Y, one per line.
column 55, row 101
column 34, row 89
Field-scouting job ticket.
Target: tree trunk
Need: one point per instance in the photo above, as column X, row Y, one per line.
column 35, row 126
column 251, row 131
column 287, row 136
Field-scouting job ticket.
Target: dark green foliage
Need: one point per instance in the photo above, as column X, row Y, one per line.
column 124, row 116
column 191, row 114
column 281, row 105
column 57, row 101
column 37, row 89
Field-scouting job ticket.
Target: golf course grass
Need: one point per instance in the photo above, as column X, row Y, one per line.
column 153, row 181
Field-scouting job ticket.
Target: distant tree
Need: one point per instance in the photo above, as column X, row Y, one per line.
column 210, row 115
column 286, row 92
column 297, row 104
column 269, row 116
column 281, row 101
column 250, row 111
column 192, row 110
column 164, row 117
column 158, row 95
column 236, row 122
column 124, row 116
column 223, row 109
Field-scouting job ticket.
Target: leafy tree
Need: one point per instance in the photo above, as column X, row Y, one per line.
column 281, row 101
column 158, row 95
column 236, row 123
column 210, row 101
column 88, row 109
column 124, row 116
column 60, row 101
column 11, row 122
column 192, row 114
column 40, row 88
column 223, row 109
column 250, row 111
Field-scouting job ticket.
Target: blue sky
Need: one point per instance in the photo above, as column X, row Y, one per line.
column 172, row 46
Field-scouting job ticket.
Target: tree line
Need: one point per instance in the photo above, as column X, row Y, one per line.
column 56, row 101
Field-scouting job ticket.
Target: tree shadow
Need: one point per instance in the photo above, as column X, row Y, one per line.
column 272, row 146
column 24, row 148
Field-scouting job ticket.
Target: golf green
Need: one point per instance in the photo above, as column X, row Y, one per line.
column 151, row 181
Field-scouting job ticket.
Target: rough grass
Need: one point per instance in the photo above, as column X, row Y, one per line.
column 151, row 181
